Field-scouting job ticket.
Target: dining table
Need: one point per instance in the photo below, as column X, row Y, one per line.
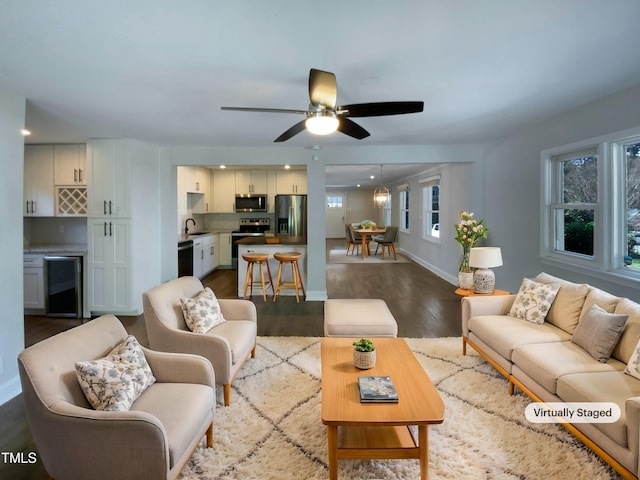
column 368, row 232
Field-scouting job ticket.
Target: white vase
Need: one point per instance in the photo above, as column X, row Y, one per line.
column 465, row 280
column 364, row 360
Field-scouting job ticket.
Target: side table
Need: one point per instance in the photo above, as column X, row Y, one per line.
column 463, row 292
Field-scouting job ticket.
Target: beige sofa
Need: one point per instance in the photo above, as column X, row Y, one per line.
column 227, row 346
column 544, row 363
column 152, row 440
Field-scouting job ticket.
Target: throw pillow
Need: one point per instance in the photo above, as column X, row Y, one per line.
column 534, row 300
column 202, row 312
column 114, row 382
column 567, row 307
column 633, row 367
column 599, row 331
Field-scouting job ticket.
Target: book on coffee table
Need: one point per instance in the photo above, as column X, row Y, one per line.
column 377, row 389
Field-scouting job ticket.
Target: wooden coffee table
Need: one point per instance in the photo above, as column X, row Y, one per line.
column 376, row 430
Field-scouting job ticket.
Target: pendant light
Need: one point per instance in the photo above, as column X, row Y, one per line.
column 381, row 195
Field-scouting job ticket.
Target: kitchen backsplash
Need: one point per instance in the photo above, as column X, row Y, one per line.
column 55, row 230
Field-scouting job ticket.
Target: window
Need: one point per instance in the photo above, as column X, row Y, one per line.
column 334, row 201
column 431, row 208
column 404, row 208
column 591, row 211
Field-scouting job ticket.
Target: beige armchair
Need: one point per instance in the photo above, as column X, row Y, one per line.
column 153, row 439
column 227, row 346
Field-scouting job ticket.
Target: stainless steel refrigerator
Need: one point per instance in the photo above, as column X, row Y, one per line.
column 291, row 215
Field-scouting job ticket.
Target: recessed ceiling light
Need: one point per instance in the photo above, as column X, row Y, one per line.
column 287, row 167
column 372, row 177
column 25, row 132
column 223, row 166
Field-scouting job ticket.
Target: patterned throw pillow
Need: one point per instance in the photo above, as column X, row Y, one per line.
column 534, row 300
column 202, row 312
column 113, row 383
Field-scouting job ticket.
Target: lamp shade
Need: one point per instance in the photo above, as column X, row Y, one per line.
column 485, row 257
column 323, row 122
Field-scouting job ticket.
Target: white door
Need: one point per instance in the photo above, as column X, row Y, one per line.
column 335, row 214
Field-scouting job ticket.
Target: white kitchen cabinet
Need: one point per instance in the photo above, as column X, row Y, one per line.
column 109, row 263
column 251, row 181
column 124, row 230
column 109, row 178
column 38, row 181
column 33, row 280
column 203, row 256
column 224, row 249
column 223, row 191
column 69, row 164
column 216, row 251
column 291, row 182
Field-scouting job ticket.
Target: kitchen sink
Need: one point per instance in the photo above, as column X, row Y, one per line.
column 197, row 234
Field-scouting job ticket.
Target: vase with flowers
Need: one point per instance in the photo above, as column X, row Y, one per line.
column 468, row 232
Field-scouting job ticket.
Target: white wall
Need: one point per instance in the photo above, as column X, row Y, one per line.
column 512, row 183
column 12, row 116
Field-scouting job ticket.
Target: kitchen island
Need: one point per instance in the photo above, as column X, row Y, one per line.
column 260, row 245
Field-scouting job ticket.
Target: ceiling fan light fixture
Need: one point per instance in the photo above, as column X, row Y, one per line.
column 322, row 122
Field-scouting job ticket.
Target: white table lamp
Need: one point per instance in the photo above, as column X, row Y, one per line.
column 483, row 259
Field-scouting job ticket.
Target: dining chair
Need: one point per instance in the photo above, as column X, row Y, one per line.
column 387, row 240
column 356, row 238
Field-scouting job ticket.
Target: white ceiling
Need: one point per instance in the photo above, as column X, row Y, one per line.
column 160, row 70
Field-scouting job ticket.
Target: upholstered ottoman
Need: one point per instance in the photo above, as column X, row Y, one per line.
column 358, row 318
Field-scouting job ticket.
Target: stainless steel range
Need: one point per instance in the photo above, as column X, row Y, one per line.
column 249, row 227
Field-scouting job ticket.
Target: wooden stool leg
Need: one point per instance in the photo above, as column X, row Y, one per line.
column 278, row 282
column 295, row 280
column 248, row 276
column 300, row 279
column 270, row 279
column 264, row 288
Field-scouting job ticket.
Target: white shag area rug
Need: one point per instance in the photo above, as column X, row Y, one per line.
column 273, row 430
column 340, row 256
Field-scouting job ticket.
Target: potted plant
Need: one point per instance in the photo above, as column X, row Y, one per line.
column 364, row 354
column 468, row 232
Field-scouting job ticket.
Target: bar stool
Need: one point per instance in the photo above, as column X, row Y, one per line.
column 292, row 258
column 260, row 259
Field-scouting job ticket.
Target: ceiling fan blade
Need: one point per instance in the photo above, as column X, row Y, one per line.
column 268, row 110
column 379, row 109
column 296, row 129
column 322, row 88
column 351, row 128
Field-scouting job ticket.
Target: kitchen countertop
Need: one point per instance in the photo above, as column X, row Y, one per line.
column 182, row 237
column 262, row 241
column 66, row 248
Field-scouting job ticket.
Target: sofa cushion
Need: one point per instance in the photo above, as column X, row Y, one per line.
column 598, row 332
column 601, row 298
column 503, row 333
column 534, row 300
column 114, row 382
column 631, row 335
column 546, row 362
column 202, row 312
column 567, row 306
column 602, row 387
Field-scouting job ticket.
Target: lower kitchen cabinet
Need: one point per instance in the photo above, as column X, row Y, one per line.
column 33, row 282
column 203, row 256
column 224, row 249
column 109, row 265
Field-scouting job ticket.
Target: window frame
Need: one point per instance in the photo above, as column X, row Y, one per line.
column 609, row 236
column 404, row 209
column 426, row 187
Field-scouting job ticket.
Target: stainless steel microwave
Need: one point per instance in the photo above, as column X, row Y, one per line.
column 251, row 202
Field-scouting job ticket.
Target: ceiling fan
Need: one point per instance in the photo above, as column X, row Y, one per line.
column 324, row 117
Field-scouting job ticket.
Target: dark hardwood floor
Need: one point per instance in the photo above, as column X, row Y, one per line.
column 423, row 304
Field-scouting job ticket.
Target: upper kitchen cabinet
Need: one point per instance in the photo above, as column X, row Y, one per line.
column 69, row 164
column 251, row 181
column 109, row 179
column 194, row 189
column 291, row 181
column 223, row 186
column 38, row 181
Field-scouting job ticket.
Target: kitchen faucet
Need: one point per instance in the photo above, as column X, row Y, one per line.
column 186, row 225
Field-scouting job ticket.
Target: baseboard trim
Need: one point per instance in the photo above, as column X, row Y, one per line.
column 10, row 389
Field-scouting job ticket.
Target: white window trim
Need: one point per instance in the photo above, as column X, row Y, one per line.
column 607, row 247
column 402, row 227
column 427, row 183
